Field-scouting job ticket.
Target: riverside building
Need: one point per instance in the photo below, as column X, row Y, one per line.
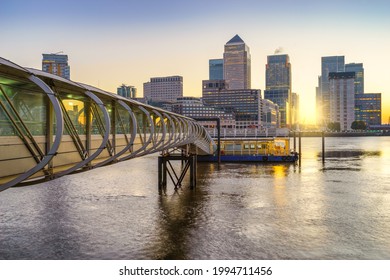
column 342, row 99
column 164, row 89
column 193, row 107
column 126, row 91
column 328, row 64
column 244, row 103
column 368, row 108
column 270, row 114
column 56, row 64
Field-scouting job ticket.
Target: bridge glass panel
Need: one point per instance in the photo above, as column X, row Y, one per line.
column 143, row 124
column 26, row 103
column 23, row 127
column 158, row 129
column 168, row 127
column 123, row 122
column 74, row 106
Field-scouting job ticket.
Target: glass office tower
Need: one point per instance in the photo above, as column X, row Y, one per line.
column 216, row 69
column 281, row 98
column 278, row 72
column 278, row 86
column 359, row 76
column 328, row 64
column 237, row 64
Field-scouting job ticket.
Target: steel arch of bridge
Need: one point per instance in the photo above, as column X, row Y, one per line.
column 51, row 127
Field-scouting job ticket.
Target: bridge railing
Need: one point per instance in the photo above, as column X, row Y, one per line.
column 51, row 126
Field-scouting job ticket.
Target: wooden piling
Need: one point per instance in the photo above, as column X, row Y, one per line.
column 295, row 142
column 323, row 147
column 300, row 148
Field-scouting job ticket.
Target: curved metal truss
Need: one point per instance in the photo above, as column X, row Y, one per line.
column 51, row 126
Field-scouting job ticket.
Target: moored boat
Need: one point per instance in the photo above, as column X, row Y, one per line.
column 253, row 150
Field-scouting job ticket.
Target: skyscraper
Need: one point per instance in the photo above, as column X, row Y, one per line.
column 295, row 108
column 278, row 86
column 216, row 69
column 237, row 64
column 164, row 88
column 56, row 64
column 342, row 98
column 359, row 76
column 328, row 64
column 278, row 72
column 127, row 91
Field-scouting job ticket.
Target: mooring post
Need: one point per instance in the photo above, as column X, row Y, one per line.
column 300, row 147
column 195, row 163
column 164, row 173
column 323, row 147
column 219, row 140
column 295, row 142
column 159, row 174
column 192, row 165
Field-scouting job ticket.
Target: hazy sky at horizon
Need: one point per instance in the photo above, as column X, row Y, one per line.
column 115, row 42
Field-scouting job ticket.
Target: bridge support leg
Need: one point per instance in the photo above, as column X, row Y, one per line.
column 193, row 171
column 162, row 175
column 165, row 167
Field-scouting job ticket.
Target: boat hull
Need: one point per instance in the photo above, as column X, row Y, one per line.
column 249, row 158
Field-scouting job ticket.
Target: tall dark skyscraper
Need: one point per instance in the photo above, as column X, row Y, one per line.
column 359, row 76
column 278, row 72
column 216, row 69
column 278, row 85
column 328, row 64
column 56, row 64
column 237, row 64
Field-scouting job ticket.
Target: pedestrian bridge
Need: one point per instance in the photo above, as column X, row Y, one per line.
column 51, row 126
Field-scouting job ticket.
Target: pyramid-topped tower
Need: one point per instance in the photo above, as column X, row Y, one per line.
column 237, row 64
column 235, row 40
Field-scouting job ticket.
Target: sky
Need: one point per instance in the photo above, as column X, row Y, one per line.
column 110, row 42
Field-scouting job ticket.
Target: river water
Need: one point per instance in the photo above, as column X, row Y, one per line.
column 336, row 210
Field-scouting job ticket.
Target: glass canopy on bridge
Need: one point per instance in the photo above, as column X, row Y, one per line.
column 51, row 126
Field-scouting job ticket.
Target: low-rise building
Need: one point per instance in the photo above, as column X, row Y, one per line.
column 244, row 103
column 368, row 108
column 193, row 107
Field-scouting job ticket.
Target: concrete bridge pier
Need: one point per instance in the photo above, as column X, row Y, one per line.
column 165, row 167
